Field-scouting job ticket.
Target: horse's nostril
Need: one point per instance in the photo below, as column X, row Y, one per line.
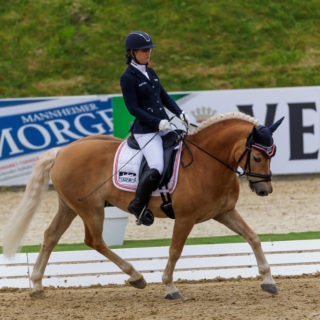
column 262, row 193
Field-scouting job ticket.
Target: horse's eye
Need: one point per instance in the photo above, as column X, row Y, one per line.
column 256, row 159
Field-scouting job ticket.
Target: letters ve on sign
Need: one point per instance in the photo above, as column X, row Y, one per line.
column 297, row 129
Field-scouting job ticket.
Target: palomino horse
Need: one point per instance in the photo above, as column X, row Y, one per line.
column 207, row 189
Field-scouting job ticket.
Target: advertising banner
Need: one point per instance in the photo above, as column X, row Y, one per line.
column 28, row 127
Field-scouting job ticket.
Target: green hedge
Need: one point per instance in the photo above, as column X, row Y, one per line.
column 75, row 47
column 190, row 241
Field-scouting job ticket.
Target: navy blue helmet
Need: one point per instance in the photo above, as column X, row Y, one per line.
column 138, row 40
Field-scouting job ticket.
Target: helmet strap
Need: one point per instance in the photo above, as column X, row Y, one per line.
column 134, row 57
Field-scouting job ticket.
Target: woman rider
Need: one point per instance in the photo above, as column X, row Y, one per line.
column 145, row 99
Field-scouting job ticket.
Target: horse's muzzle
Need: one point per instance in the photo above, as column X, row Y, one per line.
column 261, row 188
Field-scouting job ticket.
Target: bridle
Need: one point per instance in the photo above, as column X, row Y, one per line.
column 250, row 144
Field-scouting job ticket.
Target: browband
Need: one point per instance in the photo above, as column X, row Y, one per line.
column 268, row 152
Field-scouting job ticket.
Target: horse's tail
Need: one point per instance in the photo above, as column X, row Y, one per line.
column 21, row 217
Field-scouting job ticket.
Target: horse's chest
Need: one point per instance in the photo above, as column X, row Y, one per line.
column 223, row 204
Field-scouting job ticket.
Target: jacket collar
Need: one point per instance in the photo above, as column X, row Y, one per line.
column 135, row 71
column 140, row 67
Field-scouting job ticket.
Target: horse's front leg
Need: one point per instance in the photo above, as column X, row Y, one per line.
column 181, row 231
column 234, row 221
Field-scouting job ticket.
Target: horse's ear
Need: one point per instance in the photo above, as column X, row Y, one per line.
column 274, row 126
column 254, row 133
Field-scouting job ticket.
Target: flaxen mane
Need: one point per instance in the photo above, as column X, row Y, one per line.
column 225, row 116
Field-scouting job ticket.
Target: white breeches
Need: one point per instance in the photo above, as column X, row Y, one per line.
column 152, row 149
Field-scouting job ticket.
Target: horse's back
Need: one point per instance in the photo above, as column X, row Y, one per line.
column 99, row 137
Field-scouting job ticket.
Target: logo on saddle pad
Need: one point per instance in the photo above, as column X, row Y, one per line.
column 127, row 177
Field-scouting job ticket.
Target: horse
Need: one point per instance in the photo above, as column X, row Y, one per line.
column 207, row 189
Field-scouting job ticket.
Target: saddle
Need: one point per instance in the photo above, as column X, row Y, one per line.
column 170, row 146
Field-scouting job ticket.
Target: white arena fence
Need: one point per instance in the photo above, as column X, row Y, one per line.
column 86, row 268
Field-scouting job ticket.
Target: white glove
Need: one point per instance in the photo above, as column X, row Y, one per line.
column 185, row 118
column 164, row 125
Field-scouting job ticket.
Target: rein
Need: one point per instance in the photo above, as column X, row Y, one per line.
column 247, row 151
column 212, row 156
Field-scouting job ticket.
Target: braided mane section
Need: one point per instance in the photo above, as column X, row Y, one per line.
column 225, row 116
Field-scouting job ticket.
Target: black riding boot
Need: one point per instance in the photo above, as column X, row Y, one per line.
column 138, row 206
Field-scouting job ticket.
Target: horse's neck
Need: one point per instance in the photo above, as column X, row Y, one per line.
column 224, row 140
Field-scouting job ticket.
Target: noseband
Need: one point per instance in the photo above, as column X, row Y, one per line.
column 268, row 152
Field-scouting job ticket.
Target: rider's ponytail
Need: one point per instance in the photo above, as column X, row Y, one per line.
column 128, row 57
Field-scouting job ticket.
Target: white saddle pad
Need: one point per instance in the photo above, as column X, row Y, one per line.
column 126, row 166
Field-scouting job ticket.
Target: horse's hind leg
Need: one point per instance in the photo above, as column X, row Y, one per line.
column 234, row 221
column 93, row 238
column 58, row 226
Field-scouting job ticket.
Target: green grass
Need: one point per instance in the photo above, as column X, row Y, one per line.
column 190, row 241
column 75, row 47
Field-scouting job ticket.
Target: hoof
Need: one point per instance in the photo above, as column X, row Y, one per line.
column 37, row 294
column 174, row 296
column 139, row 284
column 271, row 288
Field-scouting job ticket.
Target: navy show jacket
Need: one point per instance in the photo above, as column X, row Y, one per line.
column 145, row 99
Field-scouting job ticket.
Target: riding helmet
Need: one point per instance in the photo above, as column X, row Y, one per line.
column 138, row 40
